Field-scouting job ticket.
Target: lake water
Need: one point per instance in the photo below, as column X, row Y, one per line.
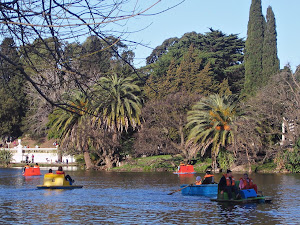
column 140, row 198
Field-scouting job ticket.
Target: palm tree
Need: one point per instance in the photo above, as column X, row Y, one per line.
column 118, row 106
column 210, row 122
column 67, row 125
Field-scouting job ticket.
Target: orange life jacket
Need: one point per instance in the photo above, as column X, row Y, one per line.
column 246, row 184
column 228, row 183
column 198, row 182
column 208, row 175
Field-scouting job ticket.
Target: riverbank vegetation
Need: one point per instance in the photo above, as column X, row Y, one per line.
column 209, row 99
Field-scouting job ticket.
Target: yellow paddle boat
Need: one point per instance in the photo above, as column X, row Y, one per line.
column 56, row 181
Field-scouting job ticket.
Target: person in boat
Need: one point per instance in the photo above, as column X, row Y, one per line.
column 247, row 183
column 36, row 165
column 227, row 184
column 208, row 178
column 181, row 164
column 67, row 177
column 198, row 180
column 50, row 171
column 26, row 167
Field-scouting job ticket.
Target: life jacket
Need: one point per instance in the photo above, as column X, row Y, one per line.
column 208, row 175
column 60, row 172
column 198, row 182
column 246, row 184
column 36, row 167
column 228, row 183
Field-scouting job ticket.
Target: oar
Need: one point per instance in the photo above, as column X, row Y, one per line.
column 180, row 189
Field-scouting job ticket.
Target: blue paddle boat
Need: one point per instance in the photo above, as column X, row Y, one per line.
column 209, row 190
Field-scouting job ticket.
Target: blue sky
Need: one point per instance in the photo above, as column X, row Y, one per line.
column 229, row 16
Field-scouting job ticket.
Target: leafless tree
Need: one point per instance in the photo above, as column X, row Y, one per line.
column 43, row 28
column 163, row 130
column 258, row 137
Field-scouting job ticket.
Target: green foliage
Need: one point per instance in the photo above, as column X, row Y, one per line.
column 197, row 63
column 201, row 166
column 267, row 167
column 148, row 164
column 5, row 157
column 290, row 158
column 61, row 122
column 12, row 95
column 270, row 58
column 210, row 121
column 119, row 103
column 225, row 159
column 254, row 49
column 293, row 160
column 79, row 159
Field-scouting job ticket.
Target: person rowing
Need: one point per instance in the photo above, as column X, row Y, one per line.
column 198, row 181
column 67, row 177
column 208, row 178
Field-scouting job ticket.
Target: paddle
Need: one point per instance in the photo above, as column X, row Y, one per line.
column 180, row 189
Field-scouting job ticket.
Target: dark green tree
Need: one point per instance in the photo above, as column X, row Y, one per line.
column 190, row 76
column 12, row 96
column 223, row 53
column 270, row 58
column 254, row 49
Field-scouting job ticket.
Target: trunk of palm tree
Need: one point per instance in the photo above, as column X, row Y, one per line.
column 109, row 158
column 214, row 157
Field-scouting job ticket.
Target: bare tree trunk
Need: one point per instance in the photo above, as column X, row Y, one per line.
column 182, row 146
column 88, row 162
column 249, row 162
column 108, row 162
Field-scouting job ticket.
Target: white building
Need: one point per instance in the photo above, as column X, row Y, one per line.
column 37, row 155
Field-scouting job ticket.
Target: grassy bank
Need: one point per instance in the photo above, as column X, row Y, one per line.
column 170, row 163
column 157, row 163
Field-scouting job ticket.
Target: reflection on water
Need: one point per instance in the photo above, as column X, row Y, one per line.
column 139, row 198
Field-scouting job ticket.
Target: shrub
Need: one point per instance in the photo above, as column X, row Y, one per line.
column 5, row 157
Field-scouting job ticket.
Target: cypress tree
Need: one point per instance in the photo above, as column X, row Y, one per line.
column 254, row 49
column 270, row 58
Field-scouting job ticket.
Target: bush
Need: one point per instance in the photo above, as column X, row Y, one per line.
column 225, row 159
column 5, row 157
column 293, row 160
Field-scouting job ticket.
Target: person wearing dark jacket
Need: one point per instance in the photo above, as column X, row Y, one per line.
column 208, row 178
column 227, row 184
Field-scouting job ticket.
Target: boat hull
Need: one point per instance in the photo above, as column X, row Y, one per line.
column 59, row 187
column 32, row 171
column 56, row 181
column 261, row 199
column 184, row 173
column 209, row 190
column 185, row 169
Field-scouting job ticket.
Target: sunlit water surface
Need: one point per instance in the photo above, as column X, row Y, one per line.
column 140, row 198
